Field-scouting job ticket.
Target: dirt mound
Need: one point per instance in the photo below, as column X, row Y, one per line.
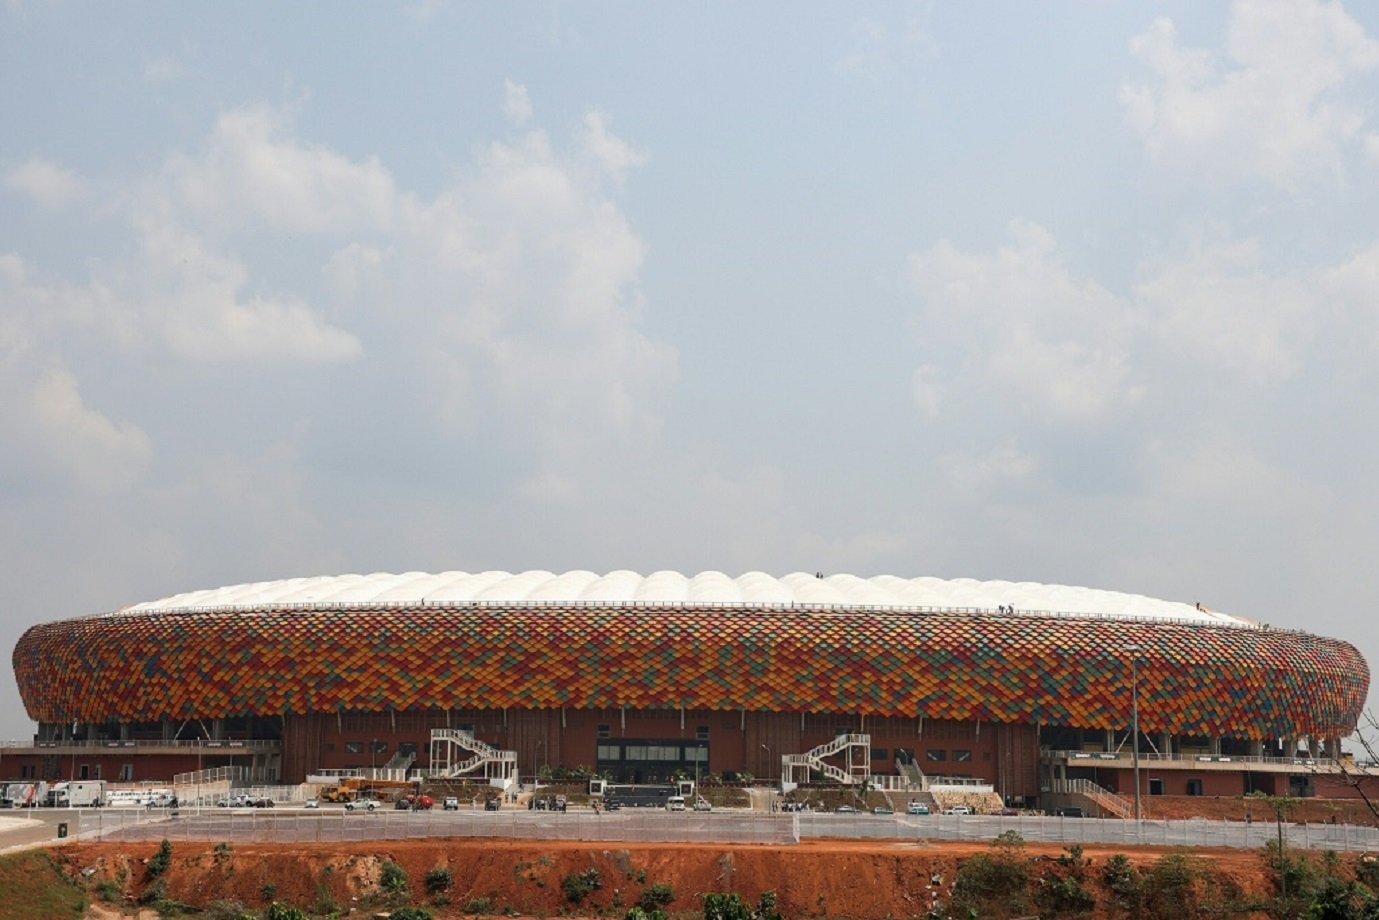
column 815, row 879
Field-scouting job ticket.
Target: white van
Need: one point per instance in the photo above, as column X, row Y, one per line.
column 675, row 803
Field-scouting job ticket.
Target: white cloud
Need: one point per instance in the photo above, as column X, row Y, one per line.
column 253, row 171
column 1020, row 322
column 191, row 299
column 66, row 434
column 47, row 184
column 614, row 154
column 516, row 103
column 1274, row 108
column 1220, row 307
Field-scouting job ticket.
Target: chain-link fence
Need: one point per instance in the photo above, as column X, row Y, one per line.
column 338, row 826
column 647, row 826
column 1099, row 831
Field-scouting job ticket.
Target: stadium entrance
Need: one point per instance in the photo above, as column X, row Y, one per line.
column 635, row 760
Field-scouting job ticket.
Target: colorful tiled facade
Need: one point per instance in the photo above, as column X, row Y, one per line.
column 1193, row 678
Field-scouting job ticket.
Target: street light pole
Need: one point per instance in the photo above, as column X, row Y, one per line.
column 768, row 761
column 1134, row 651
column 536, row 765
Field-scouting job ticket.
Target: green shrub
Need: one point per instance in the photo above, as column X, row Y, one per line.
column 1059, row 895
column 439, row 879
column 158, row 863
column 657, row 895
column 579, row 885
column 226, row 910
column 155, row 892
column 278, row 911
column 108, row 891
column 410, row 913
column 640, row 913
column 478, row 906
column 392, row 878
column 985, row 882
column 730, row 906
column 1168, row 888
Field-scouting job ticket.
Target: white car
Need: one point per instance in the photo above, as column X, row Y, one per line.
column 452, row 803
column 958, row 810
column 361, row 805
column 312, row 803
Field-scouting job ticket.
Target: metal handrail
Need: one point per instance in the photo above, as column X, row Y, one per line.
column 1200, row 758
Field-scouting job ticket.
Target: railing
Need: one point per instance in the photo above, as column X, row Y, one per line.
column 213, row 775
column 135, row 744
column 1194, row 758
column 1223, row 621
column 1117, row 805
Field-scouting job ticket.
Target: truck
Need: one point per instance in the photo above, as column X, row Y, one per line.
column 24, row 795
column 77, row 794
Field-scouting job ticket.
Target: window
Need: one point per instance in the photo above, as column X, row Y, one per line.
column 407, row 747
column 962, row 756
column 127, row 773
column 932, row 754
column 605, row 731
column 697, row 753
column 702, row 732
column 610, row 752
column 1156, row 787
column 85, row 772
column 354, row 747
column 1194, row 787
column 878, row 753
column 97, row 771
column 380, row 747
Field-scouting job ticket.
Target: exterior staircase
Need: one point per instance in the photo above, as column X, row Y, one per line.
column 1100, row 796
column 797, row 767
column 913, row 775
column 499, row 768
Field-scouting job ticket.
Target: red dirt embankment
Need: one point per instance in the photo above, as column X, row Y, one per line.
column 815, row 879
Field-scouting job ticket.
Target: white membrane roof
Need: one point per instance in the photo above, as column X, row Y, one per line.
column 673, row 588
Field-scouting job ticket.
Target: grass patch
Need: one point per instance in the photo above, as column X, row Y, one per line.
column 34, row 886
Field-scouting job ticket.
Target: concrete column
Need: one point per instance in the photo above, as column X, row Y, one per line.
column 1216, row 745
column 124, row 731
column 217, row 729
column 1110, row 740
column 1256, row 748
column 1165, row 743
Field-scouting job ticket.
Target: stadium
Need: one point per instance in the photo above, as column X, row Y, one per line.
column 1024, row 689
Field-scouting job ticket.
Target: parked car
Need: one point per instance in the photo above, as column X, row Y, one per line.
column 361, row 805
column 918, row 808
column 312, row 803
column 1071, row 811
column 493, row 804
column 451, row 803
column 702, row 805
column 958, row 810
column 675, row 803
column 882, row 810
column 846, row 810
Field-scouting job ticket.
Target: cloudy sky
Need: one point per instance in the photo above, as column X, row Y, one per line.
column 1072, row 293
